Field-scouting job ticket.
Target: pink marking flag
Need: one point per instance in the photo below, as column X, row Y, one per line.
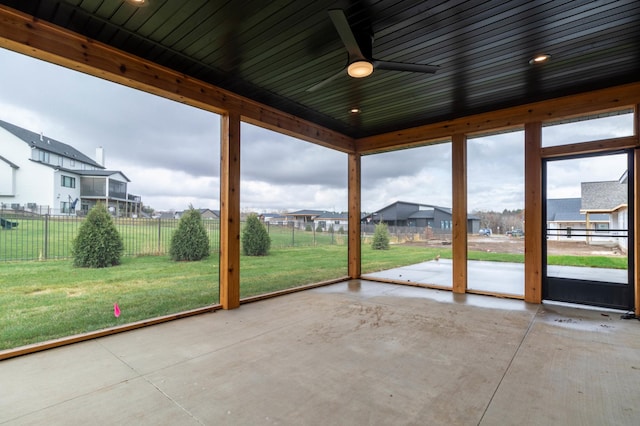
column 116, row 310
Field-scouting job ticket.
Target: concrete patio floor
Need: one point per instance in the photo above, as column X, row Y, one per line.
column 353, row 353
column 503, row 278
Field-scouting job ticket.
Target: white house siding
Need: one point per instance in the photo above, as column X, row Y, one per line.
column 558, row 231
column 36, row 185
column 63, row 193
column 31, row 177
column 7, row 180
column 620, row 221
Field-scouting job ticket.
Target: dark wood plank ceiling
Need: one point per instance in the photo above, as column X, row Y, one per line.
column 273, row 51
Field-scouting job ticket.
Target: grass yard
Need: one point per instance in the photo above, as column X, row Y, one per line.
column 47, row 300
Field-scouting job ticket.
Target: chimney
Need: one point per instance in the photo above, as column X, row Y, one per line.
column 100, row 156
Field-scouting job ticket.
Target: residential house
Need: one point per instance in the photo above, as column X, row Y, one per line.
column 302, row 218
column 406, row 214
column 40, row 171
column 273, row 218
column 204, row 214
column 335, row 220
column 600, row 216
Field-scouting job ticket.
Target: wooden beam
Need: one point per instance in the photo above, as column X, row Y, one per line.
column 533, row 213
column 24, row 34
column 230, row 211
column 615, row 98
column 459, row 212
column 68, row 340
column 355, row 249
column 636, row 215
column 590, row 147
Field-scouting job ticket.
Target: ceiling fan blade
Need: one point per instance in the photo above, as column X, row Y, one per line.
column 339, row 20
column 326, row 81
column 402, row 66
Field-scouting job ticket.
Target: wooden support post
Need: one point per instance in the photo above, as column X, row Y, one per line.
column 533, row 213
column 230, row 211
column 459, row 212
column 636, row 214
column 355, row 248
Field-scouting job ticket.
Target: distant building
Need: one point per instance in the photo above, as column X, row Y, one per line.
column 602, row 210
column 405, row 214
column 36, row 171
column 301, row 218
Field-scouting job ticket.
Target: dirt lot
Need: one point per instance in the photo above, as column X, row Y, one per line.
column 503, row 244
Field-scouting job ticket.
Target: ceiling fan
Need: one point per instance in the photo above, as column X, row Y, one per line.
column 360, row 47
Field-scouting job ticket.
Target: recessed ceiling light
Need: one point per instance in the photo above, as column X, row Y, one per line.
column 354, row 110
column 538, row 59
column 138, row 3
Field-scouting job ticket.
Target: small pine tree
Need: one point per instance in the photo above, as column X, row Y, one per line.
column 341, row 230
column 190, row 241
column 319, row 228
column 381, row 237
column 98, row 243
column 255, row 238
column 308, row 228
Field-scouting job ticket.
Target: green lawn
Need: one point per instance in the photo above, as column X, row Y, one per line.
column 46, row 300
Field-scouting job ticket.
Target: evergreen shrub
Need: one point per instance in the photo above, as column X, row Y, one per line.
column 381, row 237
column 98, row 243
column 255, row 238
column 190, row 240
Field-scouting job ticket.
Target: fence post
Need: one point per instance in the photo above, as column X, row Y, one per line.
column 159, row 231
column 45, row 249
column 293, row 239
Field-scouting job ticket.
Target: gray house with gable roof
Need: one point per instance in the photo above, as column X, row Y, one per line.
column 406, row 214
column 37, row 171
column 602, row 210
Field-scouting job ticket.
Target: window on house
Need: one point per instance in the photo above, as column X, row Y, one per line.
column 64, row 207
column 60, row 161
column 602, row 227
column 72, row 163
column 43, row 156
column 117, row 189
column 68, row 182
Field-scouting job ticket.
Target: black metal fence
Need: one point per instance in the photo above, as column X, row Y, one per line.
column 40, row 237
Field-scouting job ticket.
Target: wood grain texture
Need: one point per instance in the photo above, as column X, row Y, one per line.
column 230, row 211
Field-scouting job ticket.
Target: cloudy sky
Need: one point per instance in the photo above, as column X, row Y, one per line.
column 170, row 151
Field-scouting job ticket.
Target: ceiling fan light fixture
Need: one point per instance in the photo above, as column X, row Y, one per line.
column 360, row 69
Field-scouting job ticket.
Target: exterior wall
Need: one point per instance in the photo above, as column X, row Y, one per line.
column 33, row 181
column 65, row 194
column 7, row 180
column 620, row 220
column 441, row 221
column 558, row 231
column 336, row 223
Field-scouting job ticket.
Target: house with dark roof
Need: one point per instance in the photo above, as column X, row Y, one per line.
column 402, row 213
column 37, row 171
column 204, row 214
column 273, row 218
column 599, row 216
column 332, row 220
column 301, row 218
